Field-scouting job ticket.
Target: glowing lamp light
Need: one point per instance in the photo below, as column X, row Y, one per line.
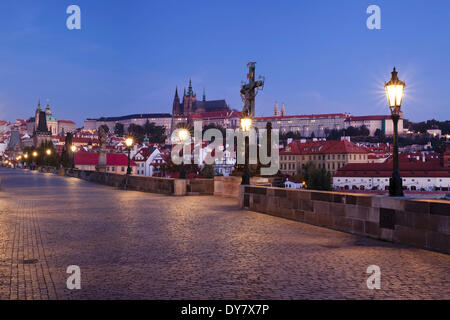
column 394, row 92
column 35, row 154
column 73, row 148
column 26, row 156
column 246, row 124
column 48, row 151
column 183, row 134
column 129, row 142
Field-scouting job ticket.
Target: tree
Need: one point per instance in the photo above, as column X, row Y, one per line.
column 105, row 127
column 119, row 129
column 137, row 132
column 364, row 131
column 43, row 159
column 67, row 155
column 316, row 179
column 208, row 171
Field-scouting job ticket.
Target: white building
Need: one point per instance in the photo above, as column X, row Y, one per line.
column 149, row 161
column 306, row 125
column 421, row 175
column 383, row 123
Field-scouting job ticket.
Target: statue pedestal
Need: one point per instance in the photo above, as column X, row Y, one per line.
column 101, row 166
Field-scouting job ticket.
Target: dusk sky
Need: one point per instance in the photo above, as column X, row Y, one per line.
column 317, row 56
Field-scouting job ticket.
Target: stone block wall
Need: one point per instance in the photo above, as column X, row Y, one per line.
column 422, row 223
column 200, row 186
column 169, row 186
column 229, row 186
column 147, row 184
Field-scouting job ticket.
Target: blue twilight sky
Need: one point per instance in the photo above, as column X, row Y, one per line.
column 317, row 56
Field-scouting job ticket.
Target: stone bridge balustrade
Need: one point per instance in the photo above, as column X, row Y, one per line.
column 422, row 223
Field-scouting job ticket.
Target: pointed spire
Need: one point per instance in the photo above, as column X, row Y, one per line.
column 39, row 105
column 276, row 111
column 176, row 92
column 48, row 104
column 190, row 92
column 204, row 94
column 283, row 110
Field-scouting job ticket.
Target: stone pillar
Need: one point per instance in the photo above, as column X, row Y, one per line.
column 101, row 166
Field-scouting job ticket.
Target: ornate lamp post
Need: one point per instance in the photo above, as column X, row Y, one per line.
column 248, row 94
column 246, row 125
column 183, row 134
column 129, row 143
column 73, row 148
column 394, row 91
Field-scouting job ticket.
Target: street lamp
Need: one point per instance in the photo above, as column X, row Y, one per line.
column 73, row 148
column 394, row 92
column 129, row 143
column 246, row 124
column 49, row 153
column 183, row 135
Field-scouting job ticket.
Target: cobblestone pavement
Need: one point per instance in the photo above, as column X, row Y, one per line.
column 133, row 245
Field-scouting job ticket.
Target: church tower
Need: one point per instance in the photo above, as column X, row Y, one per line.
column 283, row 111
column 189, row 100
column 176, row 107
column 276, row 111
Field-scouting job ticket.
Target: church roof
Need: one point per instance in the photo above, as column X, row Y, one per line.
column 211, row 105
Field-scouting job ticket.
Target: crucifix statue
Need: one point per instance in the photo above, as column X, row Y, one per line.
column 250, row 90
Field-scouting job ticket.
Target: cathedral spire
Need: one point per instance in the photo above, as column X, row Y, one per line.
column 283, row 110
column 39, row 105
column 204, row 94
column 276, row 111
column 190, row 91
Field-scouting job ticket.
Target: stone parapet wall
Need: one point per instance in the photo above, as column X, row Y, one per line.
column 169, row 186
column 146, row 184
column 422, row 223
column 200, row 186
column 229, row 186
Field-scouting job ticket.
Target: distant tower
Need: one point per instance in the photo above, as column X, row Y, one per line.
column 189, row 100
column 204, row 95
column 283, row 110
column 176, row 108
column 47, row 108
column 276, row 111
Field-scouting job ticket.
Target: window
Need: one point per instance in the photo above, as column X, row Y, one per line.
column 123, row 169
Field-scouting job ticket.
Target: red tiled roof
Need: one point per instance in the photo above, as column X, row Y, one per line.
column 67, row 121
column 145, row 152
column 322, row 147
column 112, row 159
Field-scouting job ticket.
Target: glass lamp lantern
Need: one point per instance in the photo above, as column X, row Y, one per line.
column 394, row 92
